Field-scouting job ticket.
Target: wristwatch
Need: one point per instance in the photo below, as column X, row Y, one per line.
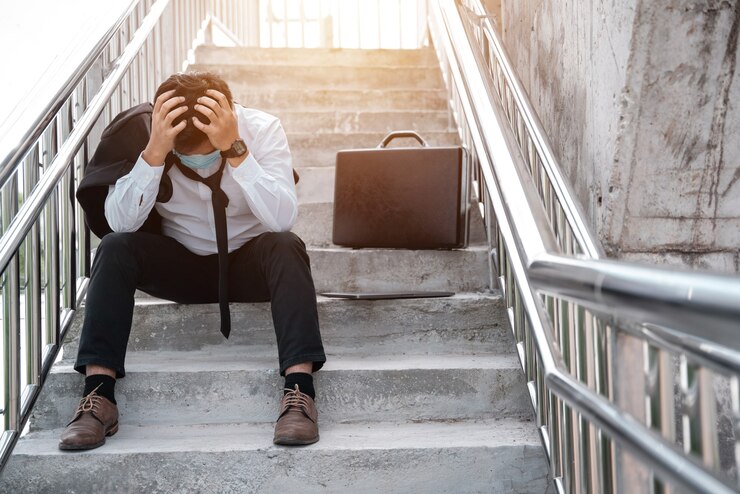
column 238, row 148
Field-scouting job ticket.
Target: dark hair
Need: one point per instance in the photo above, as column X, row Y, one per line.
column 192, row 86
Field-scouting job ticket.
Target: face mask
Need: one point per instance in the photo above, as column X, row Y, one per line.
column 199, row 161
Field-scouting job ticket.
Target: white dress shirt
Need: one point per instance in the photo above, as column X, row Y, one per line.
column 261, row 191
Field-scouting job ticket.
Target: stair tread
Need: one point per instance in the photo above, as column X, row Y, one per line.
column 345, row 57
column 136, row 440
column 264, row 358
column 419, row 252
column 420, row 111
column 266, row 67
column 320, row 299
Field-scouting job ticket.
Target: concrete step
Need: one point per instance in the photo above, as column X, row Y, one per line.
column 314, row 224
column 276, row 99
column 460, row 457
column 316, row 184
column 337, row 269
column 466, row 323
column 364, row 121
column 249, row 77
column 313, row 149
column 242, row 383
column 315, row 57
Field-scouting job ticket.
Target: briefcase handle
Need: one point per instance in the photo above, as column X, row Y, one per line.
column 402, row 133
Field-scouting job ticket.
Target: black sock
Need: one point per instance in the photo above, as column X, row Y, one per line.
column 304, row 382
column 107, row 386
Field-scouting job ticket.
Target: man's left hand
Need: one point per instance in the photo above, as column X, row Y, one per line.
column 223, row 129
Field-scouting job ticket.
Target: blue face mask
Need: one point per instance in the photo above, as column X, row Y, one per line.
column 199, row 161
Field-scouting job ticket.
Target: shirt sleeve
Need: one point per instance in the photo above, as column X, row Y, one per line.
column 266, row 177
column 131, row 199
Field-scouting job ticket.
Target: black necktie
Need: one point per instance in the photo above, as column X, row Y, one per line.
column 219, row 200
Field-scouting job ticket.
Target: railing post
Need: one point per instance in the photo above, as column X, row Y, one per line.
column 629, row 384
column 11, row 316
column 32, row 290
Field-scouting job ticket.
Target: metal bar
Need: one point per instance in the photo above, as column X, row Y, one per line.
column 359, row 24
column 303, row 25
column 285, row 22
column 377, row 14
column 702, row 307
column 11, row 317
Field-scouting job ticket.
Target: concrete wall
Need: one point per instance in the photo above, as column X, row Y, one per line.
column 642, row 104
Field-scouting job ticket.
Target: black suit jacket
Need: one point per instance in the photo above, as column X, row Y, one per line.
column 120, row 146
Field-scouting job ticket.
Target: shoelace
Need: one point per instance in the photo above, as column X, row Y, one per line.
column 91, row 402
column 294, row 398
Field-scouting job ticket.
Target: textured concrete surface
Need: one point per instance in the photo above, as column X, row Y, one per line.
column 336, row 57
column 314, row 223
column 243, row 385
column 464, row 323
column 475, row 456
column 638, row 99
column 366, row 121
column 338, row 269
column 312, row 149
column 316, row 185
column 276, row 99
column 245, row 77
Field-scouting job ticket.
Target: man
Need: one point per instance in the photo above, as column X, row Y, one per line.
column 194, row 199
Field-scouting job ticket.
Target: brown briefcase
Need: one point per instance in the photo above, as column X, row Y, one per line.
column 404, row 197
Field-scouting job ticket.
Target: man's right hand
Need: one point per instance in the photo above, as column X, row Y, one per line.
column 162, row 138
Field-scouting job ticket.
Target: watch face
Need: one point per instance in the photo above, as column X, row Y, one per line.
column 239, row 147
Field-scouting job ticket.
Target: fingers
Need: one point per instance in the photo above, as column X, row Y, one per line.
column 168, row 105
column 201, row 126
column 209, row 108
column 162, row 98
column 180, row 127
column 220, row 97
column 171, row 116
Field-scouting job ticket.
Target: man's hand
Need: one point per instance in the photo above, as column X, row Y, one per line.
column 223, row 129
column 162, row 138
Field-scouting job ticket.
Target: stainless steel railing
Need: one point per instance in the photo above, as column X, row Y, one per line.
column 343, row 23
column 611, row 351
column 45, row 246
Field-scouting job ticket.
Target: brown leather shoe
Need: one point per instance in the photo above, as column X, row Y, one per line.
column 297, row 423
column 96, row 417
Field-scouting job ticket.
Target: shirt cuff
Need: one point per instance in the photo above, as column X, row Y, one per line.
column 145, row 176
column 248, row 172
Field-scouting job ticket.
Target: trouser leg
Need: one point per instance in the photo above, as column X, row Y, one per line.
column 271, row 267
column 276, row 266
column 124, row 262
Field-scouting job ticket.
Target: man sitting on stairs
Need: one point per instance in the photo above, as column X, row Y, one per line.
column 146, row 194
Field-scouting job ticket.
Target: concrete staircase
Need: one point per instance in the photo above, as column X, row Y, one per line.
column 418, row 395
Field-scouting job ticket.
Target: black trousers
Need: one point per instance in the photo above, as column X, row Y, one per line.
column 271, row 267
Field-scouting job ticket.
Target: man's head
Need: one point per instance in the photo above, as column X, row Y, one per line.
column 192, row 86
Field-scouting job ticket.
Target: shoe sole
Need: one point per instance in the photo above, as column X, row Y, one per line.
column 83, row 447
column 289, row 441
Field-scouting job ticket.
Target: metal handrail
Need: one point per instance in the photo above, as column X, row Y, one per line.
column 31, row 209
column 49, row 220
column 17, row 149
column 703, row 306
column 589, row 244
column 528, row 245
